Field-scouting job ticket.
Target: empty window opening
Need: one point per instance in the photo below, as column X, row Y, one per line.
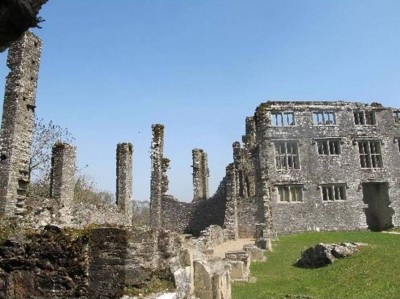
column 290, row 193
column 396, row 116
column 328, row 147
column 324, row 118
column 333, row 192
column 378, row 213
column 282, row 119
column 22, row 187
column 287, row 155
column 370, row 154
column 364, row 118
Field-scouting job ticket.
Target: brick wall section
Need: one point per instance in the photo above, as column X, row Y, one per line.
column 200, row 174
column 124, row 179
column 18, row 122
column 63, row 165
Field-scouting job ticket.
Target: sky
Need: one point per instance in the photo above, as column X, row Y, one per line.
column 111, row 69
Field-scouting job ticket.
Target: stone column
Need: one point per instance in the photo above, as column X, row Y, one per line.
column 231, row 219
column 200, row 174
column 124, row 179
column 157, row 148
column 63, row 166
column 18, row 123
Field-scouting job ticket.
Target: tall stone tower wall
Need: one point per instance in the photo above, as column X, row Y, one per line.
column 63, row 164
column 200, row 174
column 18, row 123
column 124, row 178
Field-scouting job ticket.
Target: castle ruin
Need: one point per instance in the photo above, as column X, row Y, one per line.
column 301, row 166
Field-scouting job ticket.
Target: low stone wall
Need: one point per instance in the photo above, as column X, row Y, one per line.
column 50, row 263
column 191, row 217
column 248, row 215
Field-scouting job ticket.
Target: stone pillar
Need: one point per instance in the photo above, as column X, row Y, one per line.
column 124, row 178
column 249, row 139
column 200, row 174
column 231, row 219
column 18, row 123
column 157, row 148
column 63, row 165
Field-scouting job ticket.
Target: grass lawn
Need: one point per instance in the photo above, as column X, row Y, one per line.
column 374, row 272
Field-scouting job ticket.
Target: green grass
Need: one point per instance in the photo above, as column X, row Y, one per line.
column 374, row 272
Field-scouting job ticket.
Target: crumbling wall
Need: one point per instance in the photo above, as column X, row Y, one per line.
column 191, row 217
column 50, row 263
column 103, row 262
column 18, row 122
column 106, row 266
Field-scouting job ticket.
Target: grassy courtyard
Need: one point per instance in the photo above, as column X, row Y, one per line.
column 374, row 272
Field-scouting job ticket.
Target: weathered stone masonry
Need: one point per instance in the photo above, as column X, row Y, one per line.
column 18, row 119
column 328, row 165
column 157, row 149
column 63, row 164
column 124, row 178
column 200, row 174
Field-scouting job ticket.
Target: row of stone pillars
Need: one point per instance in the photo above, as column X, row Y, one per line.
column 16, row 140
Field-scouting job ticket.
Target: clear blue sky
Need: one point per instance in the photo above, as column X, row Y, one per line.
column 110, row 69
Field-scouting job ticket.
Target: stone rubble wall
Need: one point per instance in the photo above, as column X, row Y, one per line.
column 191, row 217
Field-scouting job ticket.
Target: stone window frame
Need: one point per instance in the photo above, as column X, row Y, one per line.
column 324, row 118
column 364, row 118
column 284, row 117
column 328, row 146
column 289, row 158
column 333, row 192
column 396, row 116
column 293, row 193
column 370, row 154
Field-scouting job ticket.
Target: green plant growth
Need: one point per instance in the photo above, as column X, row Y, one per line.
column 371, row 273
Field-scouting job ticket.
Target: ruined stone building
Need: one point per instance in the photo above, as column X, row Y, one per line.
column 304, row 166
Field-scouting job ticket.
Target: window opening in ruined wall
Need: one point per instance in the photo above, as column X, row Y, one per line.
column 396, row 116
column 287, row 155
column 324, row 118
column 328, row 147
column 333, row 192
column 370, row 154
column 282, row 119
column 364, row 118
column 290, row 193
